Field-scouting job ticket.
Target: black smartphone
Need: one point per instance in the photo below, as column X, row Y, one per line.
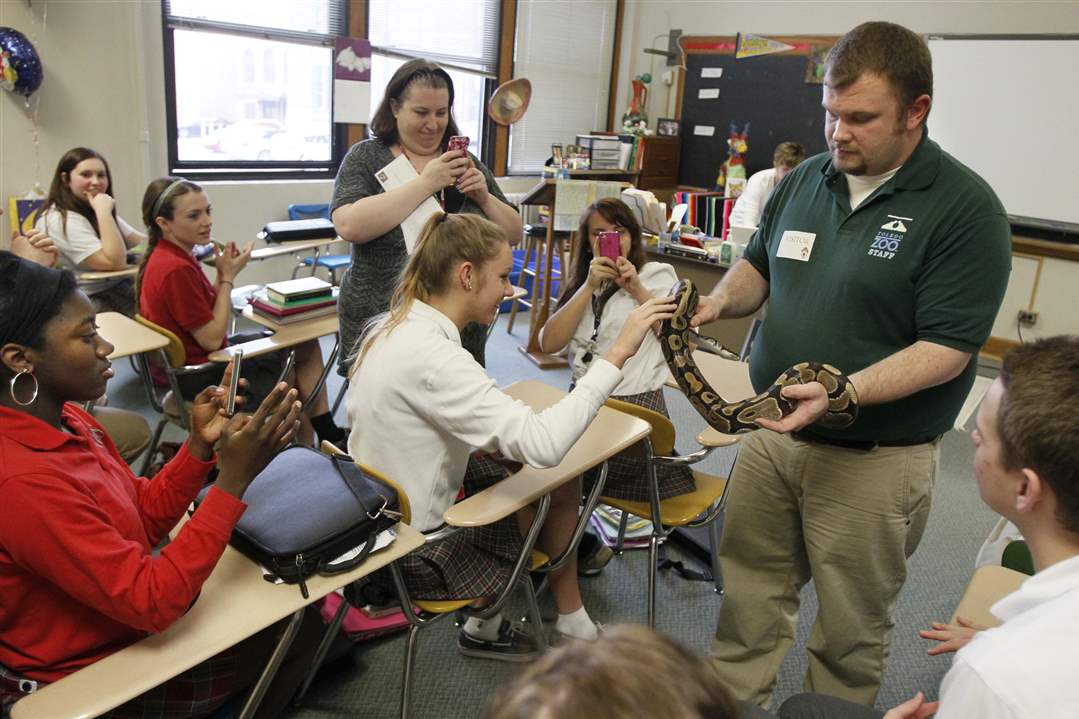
column 234, row 382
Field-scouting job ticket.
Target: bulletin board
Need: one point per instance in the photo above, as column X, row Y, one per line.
column 769, row 91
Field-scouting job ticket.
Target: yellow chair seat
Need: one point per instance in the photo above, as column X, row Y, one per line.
column 680, row 510
column 441, row 606
column 444, row 606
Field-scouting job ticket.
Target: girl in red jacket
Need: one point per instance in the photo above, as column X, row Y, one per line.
column 77, row 575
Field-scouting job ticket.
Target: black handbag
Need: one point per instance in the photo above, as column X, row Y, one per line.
column 294, row 230
column 306, row 509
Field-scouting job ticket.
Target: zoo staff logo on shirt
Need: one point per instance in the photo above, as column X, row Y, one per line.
column 888, row 238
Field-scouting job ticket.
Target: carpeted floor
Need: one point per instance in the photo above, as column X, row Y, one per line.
column 366, row 681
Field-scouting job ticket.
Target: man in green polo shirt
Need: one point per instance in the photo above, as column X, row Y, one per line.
column 888, row 259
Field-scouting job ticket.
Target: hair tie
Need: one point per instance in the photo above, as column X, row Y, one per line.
column 162, row 197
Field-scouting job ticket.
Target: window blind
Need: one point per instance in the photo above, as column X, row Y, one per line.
column 460, row 34
column 564, row 49
column 314, row 22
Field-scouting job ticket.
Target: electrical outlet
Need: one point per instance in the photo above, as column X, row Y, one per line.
column 1027, row 318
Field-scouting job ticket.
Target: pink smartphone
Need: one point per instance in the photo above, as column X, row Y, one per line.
column 457, row 142
column 610, row 244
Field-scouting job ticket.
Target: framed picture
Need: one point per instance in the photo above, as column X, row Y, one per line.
column 666, row 127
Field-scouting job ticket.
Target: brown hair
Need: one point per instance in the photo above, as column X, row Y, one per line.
column 414, row 72
column 152, row 209
column 630, row 671
column 60, row 195
column 615, row 211
column 1037, row 420
column 788, row 154
column 886, row 49
column 445, row 241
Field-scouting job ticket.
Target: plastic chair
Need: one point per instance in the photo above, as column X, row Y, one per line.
column 695, row 509
column 430, row 611
column 331, row 263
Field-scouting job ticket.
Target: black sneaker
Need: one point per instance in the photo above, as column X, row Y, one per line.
column 513, row 645
column 592, row 555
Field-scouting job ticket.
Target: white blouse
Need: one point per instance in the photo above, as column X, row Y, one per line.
column 419, row 404
column 646, row 371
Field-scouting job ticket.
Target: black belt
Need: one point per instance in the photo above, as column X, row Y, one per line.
column 862, row 445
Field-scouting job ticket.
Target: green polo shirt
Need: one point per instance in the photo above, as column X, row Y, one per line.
column 925, row 257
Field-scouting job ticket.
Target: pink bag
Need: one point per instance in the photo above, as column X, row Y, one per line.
column 358, row 626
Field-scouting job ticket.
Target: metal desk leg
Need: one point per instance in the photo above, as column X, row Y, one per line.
column 273, row 665
column 326, row 367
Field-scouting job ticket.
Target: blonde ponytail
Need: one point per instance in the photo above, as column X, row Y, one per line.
column 445, row 242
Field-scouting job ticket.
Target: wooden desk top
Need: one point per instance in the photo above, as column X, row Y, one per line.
column 236, row 603
column 988, row 585
column 610, row 432
column 284, row 248
column 727, row 377
column 89, row 276
column 544, row 191
column 284, row 336
column 127, row 336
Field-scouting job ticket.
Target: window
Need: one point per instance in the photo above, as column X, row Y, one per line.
column 462, row 37
column 252, row 101
column 565, row 50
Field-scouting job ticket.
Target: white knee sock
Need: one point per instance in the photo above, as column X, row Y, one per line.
column 577, row 625
column 484, row 629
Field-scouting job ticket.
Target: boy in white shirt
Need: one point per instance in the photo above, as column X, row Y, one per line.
column 1027, row 466
column 747, row 210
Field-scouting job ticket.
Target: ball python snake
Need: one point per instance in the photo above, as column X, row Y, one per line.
column 676, row 338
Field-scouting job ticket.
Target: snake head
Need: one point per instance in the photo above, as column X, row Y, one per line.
column 685, row 298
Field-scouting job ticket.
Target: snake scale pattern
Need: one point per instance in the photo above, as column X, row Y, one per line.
column 676, row 338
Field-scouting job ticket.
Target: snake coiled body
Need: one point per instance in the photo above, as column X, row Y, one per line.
column 676, row 338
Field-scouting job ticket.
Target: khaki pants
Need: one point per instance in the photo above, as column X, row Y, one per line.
column 128, row 431
column 847, row 518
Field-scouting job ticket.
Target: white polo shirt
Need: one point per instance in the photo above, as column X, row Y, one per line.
column 1026, row 666
column 76, row 240
column 645, row 371
column 420, row 403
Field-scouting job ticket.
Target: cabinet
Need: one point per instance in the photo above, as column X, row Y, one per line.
column 658, row 162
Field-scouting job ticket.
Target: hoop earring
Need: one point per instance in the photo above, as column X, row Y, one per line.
column 11, row 388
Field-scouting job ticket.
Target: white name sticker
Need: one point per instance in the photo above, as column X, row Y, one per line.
column 796, row 245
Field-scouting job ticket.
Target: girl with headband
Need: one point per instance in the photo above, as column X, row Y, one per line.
column 174, row 293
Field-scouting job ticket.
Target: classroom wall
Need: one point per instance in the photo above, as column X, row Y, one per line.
column 647, row 22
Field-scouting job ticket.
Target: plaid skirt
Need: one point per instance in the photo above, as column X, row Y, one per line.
column 627, row 477
column 474, row 562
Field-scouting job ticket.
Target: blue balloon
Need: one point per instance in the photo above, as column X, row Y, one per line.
column 20, row 67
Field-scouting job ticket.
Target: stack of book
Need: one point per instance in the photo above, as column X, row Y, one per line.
column 605, row 520
column 295, row 300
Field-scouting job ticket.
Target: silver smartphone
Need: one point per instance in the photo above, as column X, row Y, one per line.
column 234, row 382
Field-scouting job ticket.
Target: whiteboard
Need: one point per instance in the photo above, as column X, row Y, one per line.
column 1008, row 108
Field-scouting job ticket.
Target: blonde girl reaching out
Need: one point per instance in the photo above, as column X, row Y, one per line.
column 424, row 403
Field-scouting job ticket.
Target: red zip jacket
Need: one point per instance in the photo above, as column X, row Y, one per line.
column 77, row 579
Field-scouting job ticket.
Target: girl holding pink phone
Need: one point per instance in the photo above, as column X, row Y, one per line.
column 597, row 296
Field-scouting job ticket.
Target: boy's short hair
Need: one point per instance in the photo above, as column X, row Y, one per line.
column 1038, row 420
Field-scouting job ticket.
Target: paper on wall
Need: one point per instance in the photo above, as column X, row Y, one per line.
column 396, row 174
column 708, row 93
column 571, row 197
column 704, row 130
column 711, row 72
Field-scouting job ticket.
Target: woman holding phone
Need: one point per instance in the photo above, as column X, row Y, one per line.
column 596, row 298
column 414, row 119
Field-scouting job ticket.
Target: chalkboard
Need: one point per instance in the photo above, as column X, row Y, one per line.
column 769, row 92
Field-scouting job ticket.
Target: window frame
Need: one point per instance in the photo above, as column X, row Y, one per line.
column 208, row 170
